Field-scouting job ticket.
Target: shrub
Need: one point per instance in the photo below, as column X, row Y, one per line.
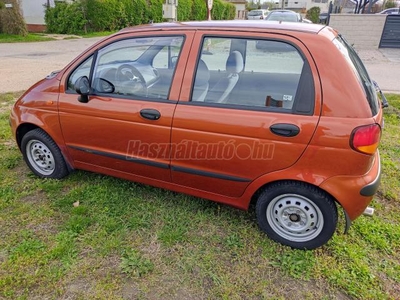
column 223, row 10
column 230, row 11
column 217, row 12
column 11, row 19
column 313, row 14
column 184, row 10
column 154, row 11
column 66, row 18
column 100, row 15
column 199, row 10
column 390, row 4
column 110, row 15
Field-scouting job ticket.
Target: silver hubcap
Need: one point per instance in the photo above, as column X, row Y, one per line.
column 295, row 218
column 40, row 157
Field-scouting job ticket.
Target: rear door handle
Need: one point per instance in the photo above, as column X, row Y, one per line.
column 284, row 129
column 150, row 114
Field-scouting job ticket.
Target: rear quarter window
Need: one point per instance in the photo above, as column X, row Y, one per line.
column 360, row 72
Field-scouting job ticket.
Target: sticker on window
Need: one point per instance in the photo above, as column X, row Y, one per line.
column 287, row 98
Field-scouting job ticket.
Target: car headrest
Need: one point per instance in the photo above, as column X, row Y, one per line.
column 203, row 74
column 234, row 63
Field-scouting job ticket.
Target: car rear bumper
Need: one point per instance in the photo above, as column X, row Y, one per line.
column 354, row 193
column 371, row 188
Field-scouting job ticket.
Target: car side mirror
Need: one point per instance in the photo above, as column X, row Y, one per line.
column 82, row 87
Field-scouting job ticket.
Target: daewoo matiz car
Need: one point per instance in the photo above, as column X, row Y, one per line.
column 196, row 108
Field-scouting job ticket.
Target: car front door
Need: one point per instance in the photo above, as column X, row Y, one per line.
column 123, row 127
column 252, row 110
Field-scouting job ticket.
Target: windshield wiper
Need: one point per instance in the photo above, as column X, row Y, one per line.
column 385, row 103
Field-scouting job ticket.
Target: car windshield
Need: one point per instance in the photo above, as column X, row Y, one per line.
column 288, row 17
column 255, row 13
column 359, row 69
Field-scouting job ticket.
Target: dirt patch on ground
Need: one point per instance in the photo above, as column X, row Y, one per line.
column 5, row 107
column 300, row 289
column 62, row 36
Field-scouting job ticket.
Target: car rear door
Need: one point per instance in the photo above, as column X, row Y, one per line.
column 265, row 123
column 125, row 127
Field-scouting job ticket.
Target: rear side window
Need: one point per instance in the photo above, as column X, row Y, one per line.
column 361, row 73
column 254, row 74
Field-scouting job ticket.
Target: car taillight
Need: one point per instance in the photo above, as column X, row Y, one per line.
column 365, row 139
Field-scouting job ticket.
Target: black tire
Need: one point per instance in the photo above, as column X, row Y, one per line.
column 42, row 155
column 296, row 214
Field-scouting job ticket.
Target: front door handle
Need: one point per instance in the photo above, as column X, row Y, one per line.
column 284, row 129
column 150, row 114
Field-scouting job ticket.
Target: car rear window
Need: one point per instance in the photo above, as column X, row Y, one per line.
column 359, row 69
column 255, row 13
column 288, row 17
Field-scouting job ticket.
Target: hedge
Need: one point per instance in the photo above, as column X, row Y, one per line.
column 83, row 16
column 66, row 18
column 199, row 10
column 11, row 19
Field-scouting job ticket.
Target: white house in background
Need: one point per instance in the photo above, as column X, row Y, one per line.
column 33, row 13
column 303, row 5
column 240, row 8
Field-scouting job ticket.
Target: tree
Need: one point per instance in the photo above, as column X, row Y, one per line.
column 313, row 14
column 11, row 19
column 390, row 4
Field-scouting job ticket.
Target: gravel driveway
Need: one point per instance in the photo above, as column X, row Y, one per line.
column 23, row 64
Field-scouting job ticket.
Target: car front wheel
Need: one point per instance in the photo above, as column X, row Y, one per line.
column 42, row 155
column 296, row 214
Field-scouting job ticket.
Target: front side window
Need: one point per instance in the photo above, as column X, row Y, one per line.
column 82, row 70
column 139, row 67
column 253, row 73
column 136, row 68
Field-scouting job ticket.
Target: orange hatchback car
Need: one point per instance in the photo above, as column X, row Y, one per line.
column 284, row 114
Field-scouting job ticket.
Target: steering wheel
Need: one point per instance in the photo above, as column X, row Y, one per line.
column 130, row 80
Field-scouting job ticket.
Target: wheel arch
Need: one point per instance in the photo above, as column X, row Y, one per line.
column 257, row 193
column 266, row 185
column 24, row 128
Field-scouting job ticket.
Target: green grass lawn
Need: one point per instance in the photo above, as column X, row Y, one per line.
column 97, row 34
column 31, row 37
column 124, row 240
column 41, row 37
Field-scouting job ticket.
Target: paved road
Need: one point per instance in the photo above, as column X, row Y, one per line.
column 383, row 66
column 22, row 64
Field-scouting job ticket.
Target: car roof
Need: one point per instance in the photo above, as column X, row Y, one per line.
column 390, row 9
column 231, row 25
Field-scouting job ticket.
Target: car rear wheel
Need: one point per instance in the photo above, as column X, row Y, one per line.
column 42, row 155
column 296, row 214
